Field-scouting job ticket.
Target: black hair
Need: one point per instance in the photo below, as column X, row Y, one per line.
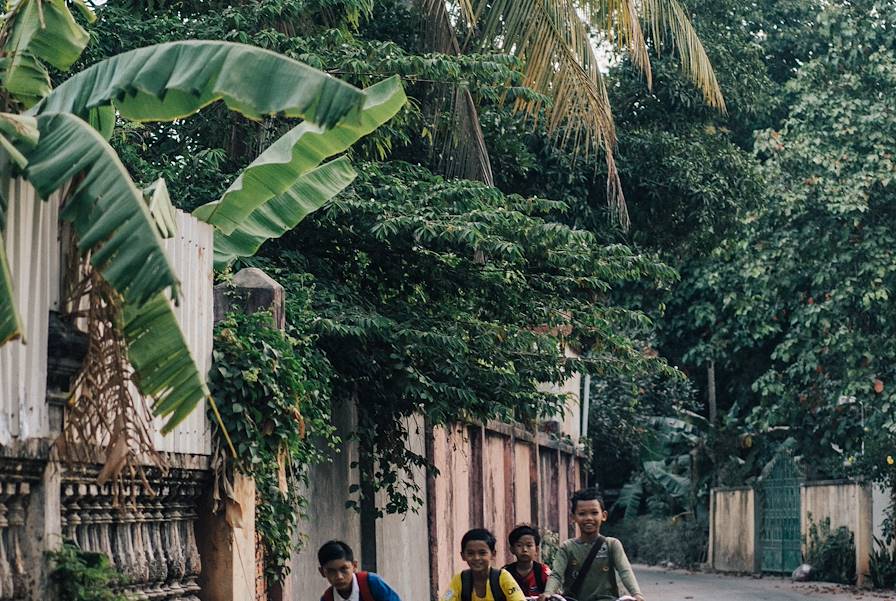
column 334, row 549
column 523, row 530
column 587, row 494
column 479, row 534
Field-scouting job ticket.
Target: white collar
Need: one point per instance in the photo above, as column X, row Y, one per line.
column 355, row 595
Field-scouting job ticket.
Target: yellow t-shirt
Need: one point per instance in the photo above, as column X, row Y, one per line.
column 512, row 591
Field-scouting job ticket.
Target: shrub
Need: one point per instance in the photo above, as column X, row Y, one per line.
column 653, row 540
column 831, row 553
column 883, row 565
column 84, row 576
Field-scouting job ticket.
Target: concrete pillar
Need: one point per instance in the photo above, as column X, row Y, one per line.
column 251, row 291
column 864, row 534
column 226, row 541
column 226, row 538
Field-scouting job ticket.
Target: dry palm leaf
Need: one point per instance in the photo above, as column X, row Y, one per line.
column 669, row 23
column 555, row 40
column 560, row 63
column 459, row 146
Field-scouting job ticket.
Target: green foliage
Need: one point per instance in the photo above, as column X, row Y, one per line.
column 84, row 576
column 831, row 553
column 796, row 306
column 277, row 412
column 452, row 299
column 654, row 540
column 882, row 564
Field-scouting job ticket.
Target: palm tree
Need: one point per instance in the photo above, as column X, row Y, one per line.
column 556, row 39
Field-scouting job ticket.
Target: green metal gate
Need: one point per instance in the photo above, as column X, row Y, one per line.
column 779, row 537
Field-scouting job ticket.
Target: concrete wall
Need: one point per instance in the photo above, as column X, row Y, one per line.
column 496, row 477
column 403, row 540
column 570, row 420
column 880, row 500
column 733, row 538
column 846, row 504
column 327, row 517
column 732, row 530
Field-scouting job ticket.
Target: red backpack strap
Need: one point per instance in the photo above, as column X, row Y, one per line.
column 328, row 594
column 364, row 587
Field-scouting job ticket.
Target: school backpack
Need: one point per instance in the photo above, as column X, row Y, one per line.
column 466, row 585
column 537, row 569
column 363, row 589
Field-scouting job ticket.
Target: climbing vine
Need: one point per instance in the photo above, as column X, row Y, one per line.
column 83, row 576
column 278, row 415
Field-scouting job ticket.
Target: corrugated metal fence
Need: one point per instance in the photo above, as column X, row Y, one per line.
column 33, row 249
column 190, row 253
column 32, row 246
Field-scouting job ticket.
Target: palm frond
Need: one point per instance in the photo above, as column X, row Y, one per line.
column 670, row 23
column 621, row 24
column 560, row 63
column 459, row 143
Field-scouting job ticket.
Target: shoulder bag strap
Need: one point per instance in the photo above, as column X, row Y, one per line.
column 574, row 590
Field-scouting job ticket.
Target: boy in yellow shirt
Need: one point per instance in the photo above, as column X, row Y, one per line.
column 481, row 582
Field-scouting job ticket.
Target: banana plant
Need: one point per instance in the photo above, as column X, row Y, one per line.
column 62, row 139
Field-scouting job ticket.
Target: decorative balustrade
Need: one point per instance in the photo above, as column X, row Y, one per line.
column 18, row 480
column 146, row 531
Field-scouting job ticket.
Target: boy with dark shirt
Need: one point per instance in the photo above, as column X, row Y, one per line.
column 338, row 566
column 531, row 575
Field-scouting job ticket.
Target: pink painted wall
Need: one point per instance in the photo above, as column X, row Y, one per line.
column 505, row 469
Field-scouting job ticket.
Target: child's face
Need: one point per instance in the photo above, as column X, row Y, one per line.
column 339, row 572
column 477, row 555
column 525, row 549
column 588, row 516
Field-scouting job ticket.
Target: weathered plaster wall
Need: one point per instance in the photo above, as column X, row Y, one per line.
column 326, row 515
column 846, row 504
column 733, row 530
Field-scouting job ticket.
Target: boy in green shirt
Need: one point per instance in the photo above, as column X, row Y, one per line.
column 597, row 581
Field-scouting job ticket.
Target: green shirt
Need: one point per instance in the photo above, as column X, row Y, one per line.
column 599, row 584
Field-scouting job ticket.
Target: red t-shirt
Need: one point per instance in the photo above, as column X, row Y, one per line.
column 529, row 583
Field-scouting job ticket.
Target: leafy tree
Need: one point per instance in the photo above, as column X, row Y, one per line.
column 450, row 299
column 796, row 306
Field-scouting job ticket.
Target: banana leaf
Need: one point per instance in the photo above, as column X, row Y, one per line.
column 163, row 365
column 10, row 323
column 675, row 485
column 114, row 223
column 294, row 154
column 41, row 31
column 283, row 212
column 23, row 130
column 176, row 79
column 107, row 210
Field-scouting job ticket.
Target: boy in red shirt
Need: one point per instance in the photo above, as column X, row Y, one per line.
column 529, row 574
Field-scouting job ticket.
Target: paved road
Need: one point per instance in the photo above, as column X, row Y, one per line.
column 677, row 585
